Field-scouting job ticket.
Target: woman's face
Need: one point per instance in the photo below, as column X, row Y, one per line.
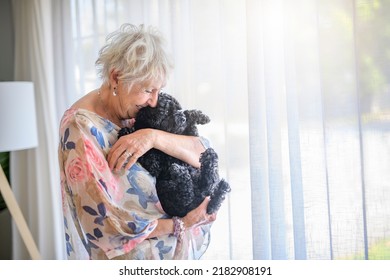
column 140, row 95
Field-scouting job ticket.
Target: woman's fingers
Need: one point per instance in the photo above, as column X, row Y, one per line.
column 206, row 201
column 131, row 160
column 118, row 155
column 199, row 215
column 126, row 151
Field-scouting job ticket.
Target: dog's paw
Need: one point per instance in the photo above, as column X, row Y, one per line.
column 218, row 196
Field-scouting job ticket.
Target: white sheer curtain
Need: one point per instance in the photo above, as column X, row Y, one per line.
column 298, row 94
column 299, row 100
column 35, row 176
column 319, row 117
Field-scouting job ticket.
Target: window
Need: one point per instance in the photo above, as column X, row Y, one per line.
column 298, row 95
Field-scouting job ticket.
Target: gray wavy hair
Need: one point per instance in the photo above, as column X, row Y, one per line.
column 137, row 53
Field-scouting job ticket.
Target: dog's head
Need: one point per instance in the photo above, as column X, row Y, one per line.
column 167, row 115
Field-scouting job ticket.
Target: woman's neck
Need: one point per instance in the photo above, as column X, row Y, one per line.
column 105, row 105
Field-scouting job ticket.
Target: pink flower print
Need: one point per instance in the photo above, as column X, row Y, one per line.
column 113, row 187
column 95, row 156
column 129, row 245
column 68, row 115
column 76, row 171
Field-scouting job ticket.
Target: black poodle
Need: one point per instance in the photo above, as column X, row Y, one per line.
column 180, row 187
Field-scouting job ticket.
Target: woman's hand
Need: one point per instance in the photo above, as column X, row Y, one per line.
column 199, row 216
column 195, row 217
column 129, row 148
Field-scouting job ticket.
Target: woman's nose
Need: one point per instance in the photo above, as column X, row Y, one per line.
column 152, row 102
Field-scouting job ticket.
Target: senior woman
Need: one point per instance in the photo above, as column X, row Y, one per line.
column 111, row 209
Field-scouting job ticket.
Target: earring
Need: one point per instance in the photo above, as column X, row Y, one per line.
column 114, row 93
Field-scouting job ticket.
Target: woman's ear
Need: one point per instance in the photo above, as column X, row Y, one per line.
column 114, row 78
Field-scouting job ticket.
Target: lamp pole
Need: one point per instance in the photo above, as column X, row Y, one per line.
column 18, row 217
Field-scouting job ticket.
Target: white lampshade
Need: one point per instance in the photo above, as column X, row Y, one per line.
column 18, row 125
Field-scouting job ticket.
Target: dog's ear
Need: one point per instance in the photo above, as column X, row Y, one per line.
column 196, row 117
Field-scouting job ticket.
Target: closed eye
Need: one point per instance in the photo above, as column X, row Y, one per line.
column 150, row 91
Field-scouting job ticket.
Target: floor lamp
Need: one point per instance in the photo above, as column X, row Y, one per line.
column 18, row 130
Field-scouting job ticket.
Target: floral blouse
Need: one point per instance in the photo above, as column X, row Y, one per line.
column 109, row 215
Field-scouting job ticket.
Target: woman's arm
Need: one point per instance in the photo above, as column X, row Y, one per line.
column 196, row 217
column 93, row 189
column 185, row 148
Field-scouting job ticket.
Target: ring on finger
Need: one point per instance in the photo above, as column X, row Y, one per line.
column 127, row 154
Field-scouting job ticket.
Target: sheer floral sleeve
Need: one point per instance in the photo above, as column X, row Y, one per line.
column 109, row 215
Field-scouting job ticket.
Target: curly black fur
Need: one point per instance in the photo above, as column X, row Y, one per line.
column 180, row 187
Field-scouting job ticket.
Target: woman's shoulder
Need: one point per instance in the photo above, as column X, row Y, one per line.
column 78, row 117
column 73, row 114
